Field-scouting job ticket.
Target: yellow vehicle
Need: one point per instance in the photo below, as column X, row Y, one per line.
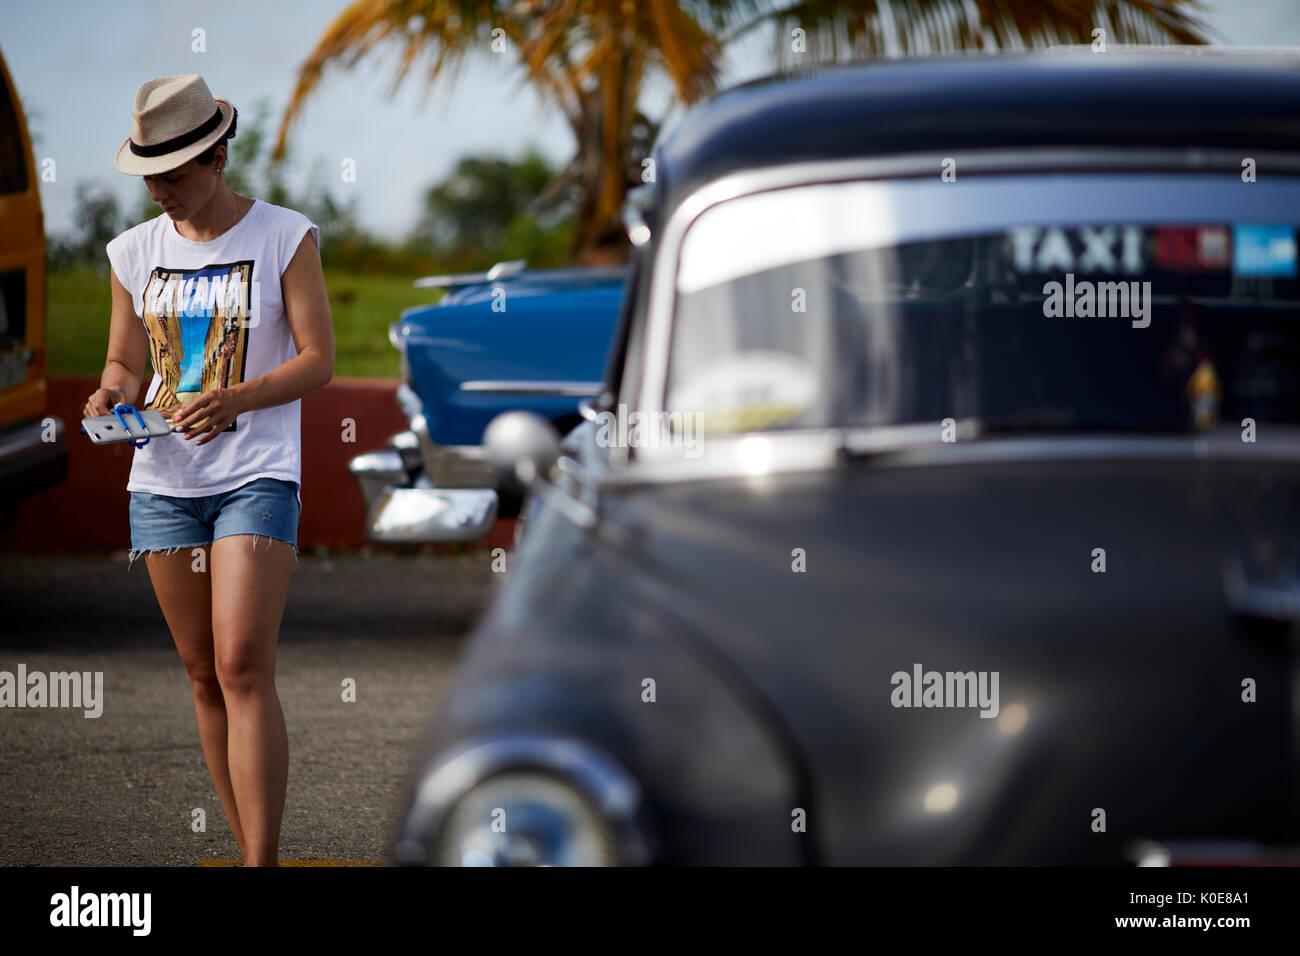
column 33, row 450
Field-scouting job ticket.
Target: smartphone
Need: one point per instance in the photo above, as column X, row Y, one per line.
column 103, row 429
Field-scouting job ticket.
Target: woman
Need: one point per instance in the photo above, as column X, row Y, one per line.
column 226, row 294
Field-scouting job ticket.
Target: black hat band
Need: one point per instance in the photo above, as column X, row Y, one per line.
column 179, row 142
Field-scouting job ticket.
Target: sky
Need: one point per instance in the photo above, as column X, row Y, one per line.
column 77, row 64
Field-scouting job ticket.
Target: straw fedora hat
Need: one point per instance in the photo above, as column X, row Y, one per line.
column 175, row 118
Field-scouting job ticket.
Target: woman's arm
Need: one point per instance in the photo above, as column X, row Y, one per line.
column 128, row 353
column 307, row 310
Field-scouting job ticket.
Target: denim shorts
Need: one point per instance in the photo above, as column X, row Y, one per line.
column 265, row 507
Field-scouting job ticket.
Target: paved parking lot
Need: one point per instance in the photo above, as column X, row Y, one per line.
column 120, row 789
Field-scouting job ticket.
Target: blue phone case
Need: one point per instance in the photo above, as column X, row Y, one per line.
column 137, row 437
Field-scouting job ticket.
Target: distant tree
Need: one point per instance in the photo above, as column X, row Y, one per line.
column 475, row 205
column 96, row 219
column 249, row 170
column 491, row 208
column 35, row 116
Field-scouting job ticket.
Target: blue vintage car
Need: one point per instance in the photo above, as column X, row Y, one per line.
column 509, row 338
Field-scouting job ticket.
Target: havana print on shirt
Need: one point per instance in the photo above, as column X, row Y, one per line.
column 198, row 322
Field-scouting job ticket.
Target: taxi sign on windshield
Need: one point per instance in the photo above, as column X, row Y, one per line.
column 1265, row 250
column 1047, row 250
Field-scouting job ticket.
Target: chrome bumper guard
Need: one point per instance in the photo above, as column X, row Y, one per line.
column 452, row 500
column 420, row 514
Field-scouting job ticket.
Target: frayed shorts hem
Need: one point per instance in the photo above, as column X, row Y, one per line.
column 137, row 552
column 262, row 508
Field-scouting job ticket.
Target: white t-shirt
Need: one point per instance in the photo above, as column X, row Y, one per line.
column 215, row 318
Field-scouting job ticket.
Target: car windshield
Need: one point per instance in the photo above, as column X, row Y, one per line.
column 1061, row 302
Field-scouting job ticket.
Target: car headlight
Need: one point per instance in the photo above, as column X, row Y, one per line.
column 524, row 818
column 525, row 799
column 398, row 341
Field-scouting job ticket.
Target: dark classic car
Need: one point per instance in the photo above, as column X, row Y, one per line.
column 507, row 338
column 942, row 503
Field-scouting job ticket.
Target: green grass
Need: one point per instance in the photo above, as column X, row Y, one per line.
column 362, row 306
column 77, row 308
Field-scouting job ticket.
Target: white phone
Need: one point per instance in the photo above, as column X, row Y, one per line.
column 104, row 429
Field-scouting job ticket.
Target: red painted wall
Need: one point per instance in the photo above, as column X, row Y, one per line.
column 88, row 510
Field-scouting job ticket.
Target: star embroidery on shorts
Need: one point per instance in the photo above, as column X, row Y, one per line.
column 266, row 516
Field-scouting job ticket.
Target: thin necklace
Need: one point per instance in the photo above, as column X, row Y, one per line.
column 233, row 217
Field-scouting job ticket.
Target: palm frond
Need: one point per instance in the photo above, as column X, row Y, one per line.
column 858, row 28
column 449, row 27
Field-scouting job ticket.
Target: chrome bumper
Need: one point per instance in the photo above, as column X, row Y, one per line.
column 412, row 515
column 399, row 511
column 444, row 502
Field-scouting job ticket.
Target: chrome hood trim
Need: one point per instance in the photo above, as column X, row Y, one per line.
column 526, row 387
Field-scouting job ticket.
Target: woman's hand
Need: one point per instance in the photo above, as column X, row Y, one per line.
column 209, row 414
column 101, row 402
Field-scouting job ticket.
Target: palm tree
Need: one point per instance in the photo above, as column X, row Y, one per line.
column 590, row 57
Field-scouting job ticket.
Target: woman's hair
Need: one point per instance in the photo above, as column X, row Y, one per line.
column 205, row 158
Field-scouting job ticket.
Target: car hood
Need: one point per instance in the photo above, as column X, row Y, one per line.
column 471, row 357
column 1136, row 703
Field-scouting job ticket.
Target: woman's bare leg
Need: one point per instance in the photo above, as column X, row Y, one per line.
column 183, row 586
column 250, row 582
